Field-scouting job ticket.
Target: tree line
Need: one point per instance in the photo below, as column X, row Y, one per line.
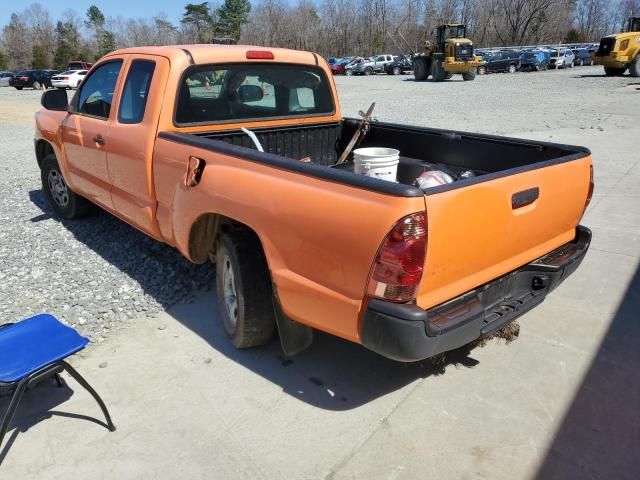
column 33, row 39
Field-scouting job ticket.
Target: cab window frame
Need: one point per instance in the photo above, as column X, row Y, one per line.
column 221, row 66
column 75, row 101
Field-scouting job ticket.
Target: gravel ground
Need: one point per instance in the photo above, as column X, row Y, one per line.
column 98, row 273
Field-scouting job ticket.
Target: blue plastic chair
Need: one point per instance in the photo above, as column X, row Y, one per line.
column 33, row 349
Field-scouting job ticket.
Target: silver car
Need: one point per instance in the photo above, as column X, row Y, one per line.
column 563, row 58
column 4, row 78
column 375, row 64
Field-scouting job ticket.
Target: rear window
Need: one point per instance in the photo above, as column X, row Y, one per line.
column 225, row 93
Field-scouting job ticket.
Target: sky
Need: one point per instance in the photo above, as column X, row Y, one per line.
column 110, row 8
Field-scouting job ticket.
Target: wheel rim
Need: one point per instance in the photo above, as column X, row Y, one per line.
column 58, row 188
column 396, row 71
column 230, row 294
column 36, row 86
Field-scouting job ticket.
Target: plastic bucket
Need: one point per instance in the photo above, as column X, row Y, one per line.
column 377, row 162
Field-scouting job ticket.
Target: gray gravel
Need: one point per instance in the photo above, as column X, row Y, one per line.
column 99, row 274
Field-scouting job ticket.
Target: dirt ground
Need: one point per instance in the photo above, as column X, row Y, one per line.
column 560, row 402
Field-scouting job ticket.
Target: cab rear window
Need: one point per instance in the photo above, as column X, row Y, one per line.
column 253, row 91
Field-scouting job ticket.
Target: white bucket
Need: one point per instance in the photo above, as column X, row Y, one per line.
column 377, row 162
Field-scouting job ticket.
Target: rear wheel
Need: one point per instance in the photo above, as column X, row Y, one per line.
column 243, row 285
column 634, row 68
column 614, row 72
column 469, row 76
column 512, row 69
column 64, row 201
column 421, row 69
column 368, row 71
column 348, row 73
column 36, row 85
column 396, row 71
column 482, row 70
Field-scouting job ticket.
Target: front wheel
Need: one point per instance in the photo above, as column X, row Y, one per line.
column 64, row 201
column 581, row 63
column 614, row 72
column 244, row 291
column 348, row 73
column 368, row 71
column 468, row 76
column 634, row 68
column 36, row 85
column 482, row 70
column 396, row 71
column 420, row 69
column 512, row 69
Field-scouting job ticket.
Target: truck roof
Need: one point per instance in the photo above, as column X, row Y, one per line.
column 215, row 53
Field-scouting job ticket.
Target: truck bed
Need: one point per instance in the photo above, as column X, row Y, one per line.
column 489, row 157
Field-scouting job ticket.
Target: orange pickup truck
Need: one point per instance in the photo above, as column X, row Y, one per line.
column 153, row 135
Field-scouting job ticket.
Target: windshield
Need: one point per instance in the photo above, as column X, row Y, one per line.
column 553, row 53
column 454, row 32
column 225, row 93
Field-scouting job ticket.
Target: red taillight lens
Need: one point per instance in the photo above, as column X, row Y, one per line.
column 260, row 55
column 65, row 78
column 397, row 269
column 24, row 79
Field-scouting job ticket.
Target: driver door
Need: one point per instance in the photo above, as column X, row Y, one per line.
column 85, row 133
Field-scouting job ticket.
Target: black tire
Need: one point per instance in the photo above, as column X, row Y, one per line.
column 512, row 68
column 469, row 76
column 421, row 69
column 614, row 72
column 62, row 199
column 241, row 253
column 396, row 71
column 634, row 68
column 36, row 85
column 438, row 73
column 348, row 73
column 368, row 71
column 482, row 70
column 18, row 88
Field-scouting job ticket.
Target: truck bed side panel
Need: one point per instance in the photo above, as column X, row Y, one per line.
column 320, row 236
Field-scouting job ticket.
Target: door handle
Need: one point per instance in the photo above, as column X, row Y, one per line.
column 99, row 139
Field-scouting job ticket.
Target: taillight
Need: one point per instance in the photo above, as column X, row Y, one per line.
column 397, row 269
column 260, row 55
column 65, row 78
column 590, row 191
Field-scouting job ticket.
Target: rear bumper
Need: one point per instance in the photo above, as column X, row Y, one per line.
column 407, row 333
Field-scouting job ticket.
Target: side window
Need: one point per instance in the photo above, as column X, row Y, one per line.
column 136, row 91
column 96, row 93
column 380, row 58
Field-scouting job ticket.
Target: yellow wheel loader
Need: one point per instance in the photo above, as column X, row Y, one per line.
column 621, row 51
column 452, row 53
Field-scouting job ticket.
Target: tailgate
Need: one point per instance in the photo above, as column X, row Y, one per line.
column 485, row 228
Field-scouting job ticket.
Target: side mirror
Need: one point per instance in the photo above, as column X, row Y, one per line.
column 55, row 99
column 249, row 93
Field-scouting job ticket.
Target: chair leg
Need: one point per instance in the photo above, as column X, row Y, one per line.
column 13, row 406
column 80, row 379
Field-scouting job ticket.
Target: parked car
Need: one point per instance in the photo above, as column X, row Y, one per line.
column 375, row 64
column 5, row 77
column 500, row 61
column 331, row 60
column 339, row 68
column 36, row 79
column 370, row 266
column 533, row 61
column 348, row 69
column 582, row 57
column 402, row 64
column 78, row 65
column 68, row 79
column 563, row 58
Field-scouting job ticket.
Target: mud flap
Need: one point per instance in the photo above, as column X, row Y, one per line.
column 294, row 336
